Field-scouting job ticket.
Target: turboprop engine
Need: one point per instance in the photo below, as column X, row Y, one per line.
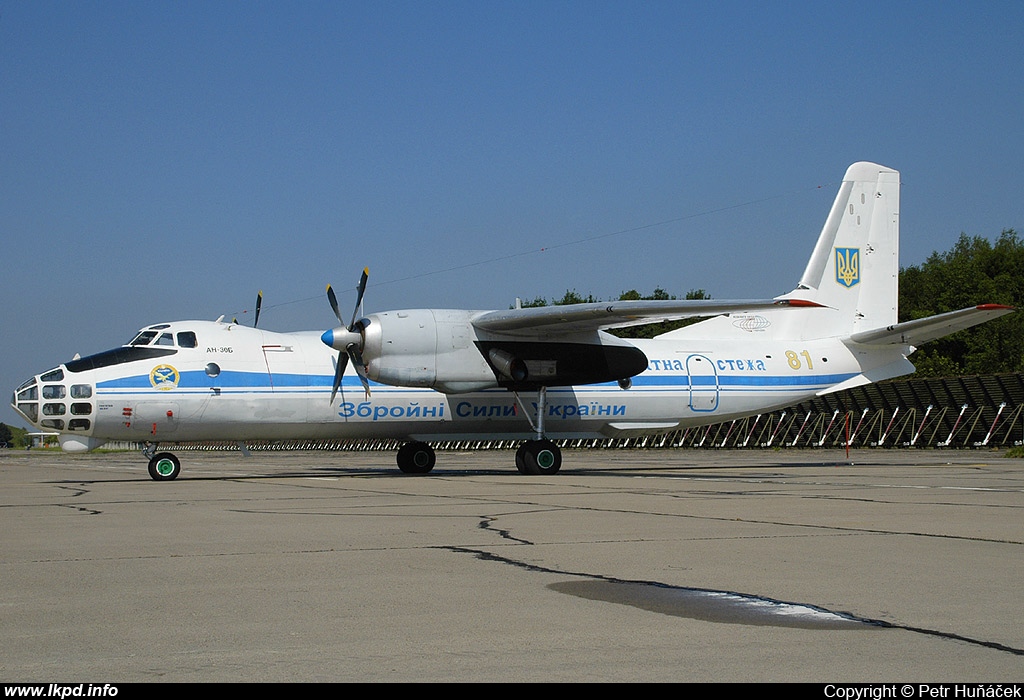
column 425, row 348
column 441, row 349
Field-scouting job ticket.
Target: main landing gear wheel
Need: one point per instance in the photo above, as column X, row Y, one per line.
column 164, row 467
column 538, row 457
column 416, row 458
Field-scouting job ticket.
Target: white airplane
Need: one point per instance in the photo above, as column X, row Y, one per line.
column 536, row 374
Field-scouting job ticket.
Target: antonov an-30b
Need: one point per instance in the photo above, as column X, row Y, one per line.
column 536, row 374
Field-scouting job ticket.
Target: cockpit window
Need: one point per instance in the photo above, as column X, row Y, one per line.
column 117, row 356
column 143, row 338
column 152, row 336
column 54, row 375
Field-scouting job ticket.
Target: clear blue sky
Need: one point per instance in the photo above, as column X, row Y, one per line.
column 166, row 160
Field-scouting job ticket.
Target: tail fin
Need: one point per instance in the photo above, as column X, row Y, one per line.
column 854, row 269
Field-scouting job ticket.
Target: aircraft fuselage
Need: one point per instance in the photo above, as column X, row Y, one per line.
column 231, row 382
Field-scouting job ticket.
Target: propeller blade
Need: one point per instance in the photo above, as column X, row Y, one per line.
column 259, row 303
column 337, row 339
column 334, row 304
column 338, row 372
column 357, row 360
column 359, row 296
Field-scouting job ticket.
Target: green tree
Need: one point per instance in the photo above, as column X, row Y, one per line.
column 573, row 297
column 651, row 330
column 974, row 271
column 18, row 436
column 537, row 301
column 6, row 437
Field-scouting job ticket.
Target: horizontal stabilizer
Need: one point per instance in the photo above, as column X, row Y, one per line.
column 922, row 330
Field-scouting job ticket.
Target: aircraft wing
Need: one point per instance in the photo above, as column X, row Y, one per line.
column 922, row 330
column 578, row 318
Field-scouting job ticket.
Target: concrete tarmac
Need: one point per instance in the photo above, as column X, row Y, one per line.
column 661, row 565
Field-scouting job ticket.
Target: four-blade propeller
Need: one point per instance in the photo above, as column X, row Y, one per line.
column 348, row 340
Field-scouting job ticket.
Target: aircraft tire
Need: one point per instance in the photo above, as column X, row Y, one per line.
column 520, row 464
column 539, row 457
column 416, row 458
column 164, row 466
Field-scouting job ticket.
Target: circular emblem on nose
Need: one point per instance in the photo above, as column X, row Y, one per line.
column 164, row 377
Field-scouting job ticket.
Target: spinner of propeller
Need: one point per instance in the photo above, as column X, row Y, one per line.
column 348, row 339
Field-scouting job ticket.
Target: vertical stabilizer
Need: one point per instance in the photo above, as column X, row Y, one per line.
column 854, row 269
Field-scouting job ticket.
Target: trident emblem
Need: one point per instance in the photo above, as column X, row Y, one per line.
column 847, row 266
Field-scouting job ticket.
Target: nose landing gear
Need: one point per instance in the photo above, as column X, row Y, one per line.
column 163, row 466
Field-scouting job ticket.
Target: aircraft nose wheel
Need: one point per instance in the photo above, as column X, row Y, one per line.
column 164, row 466
column 538, row 457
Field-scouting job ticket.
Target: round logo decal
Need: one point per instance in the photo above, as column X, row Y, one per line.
column 164, row 377
column 751, row 323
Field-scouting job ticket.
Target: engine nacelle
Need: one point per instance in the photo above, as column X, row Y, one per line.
column 431, row 348
column 442, row 350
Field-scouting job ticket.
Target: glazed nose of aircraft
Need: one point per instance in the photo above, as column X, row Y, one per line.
column 25, row 400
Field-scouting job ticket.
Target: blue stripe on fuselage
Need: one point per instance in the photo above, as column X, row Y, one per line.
column 228, row 380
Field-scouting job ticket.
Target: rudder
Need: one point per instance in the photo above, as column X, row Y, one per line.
column 854, row 269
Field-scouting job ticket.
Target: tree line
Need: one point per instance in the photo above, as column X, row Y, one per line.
column 974, row 271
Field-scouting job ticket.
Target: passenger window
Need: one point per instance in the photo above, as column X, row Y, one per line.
column 187, row 339
column 53, row 391
column 81, row 391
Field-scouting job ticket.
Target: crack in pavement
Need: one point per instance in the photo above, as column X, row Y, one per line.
column 729, row 607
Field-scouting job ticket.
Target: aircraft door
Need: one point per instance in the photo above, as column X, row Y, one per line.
column 704, row 387
column 282, row 367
